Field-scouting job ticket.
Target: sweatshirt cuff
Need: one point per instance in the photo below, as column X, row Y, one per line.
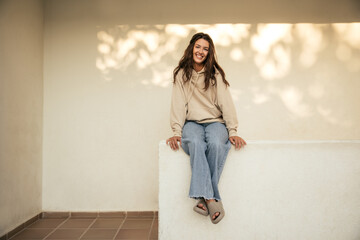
column 232, row 133
column 177, row 134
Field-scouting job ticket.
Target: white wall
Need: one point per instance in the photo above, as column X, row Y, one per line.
column 107, row 86
column 21, row 106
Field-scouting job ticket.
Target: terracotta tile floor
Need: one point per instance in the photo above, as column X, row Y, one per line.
column 90, row 227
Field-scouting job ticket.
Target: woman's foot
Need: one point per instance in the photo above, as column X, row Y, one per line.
column 201, row 207
column 216, row 211
column 216, row 214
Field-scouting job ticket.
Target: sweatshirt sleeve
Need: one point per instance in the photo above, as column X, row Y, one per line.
column 227, row 107
column 178, row 108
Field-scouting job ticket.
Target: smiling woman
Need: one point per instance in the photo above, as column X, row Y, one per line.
column 203, row 119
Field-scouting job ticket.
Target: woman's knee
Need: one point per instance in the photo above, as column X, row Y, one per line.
column 216, row 133
column 218, row 144
column 196, row 143
column 215, row 144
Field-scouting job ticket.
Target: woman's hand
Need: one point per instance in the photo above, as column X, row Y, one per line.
column 173, row 142
column 237, row 141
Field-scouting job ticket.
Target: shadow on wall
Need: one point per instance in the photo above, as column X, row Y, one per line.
column 304, row 69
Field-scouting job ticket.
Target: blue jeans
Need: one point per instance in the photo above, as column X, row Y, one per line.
column 208, row 145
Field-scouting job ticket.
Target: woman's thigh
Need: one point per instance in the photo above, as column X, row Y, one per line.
column 193, row 130
column 216, row 133
column 192, row 133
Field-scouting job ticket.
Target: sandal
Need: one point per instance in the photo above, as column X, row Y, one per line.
column 215, row 207
column 199, row 209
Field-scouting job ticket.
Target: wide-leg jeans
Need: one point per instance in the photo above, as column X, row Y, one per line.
column 208, row 146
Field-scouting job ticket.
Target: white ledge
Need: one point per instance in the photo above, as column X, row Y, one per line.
column 292, row 141
column 271, row 190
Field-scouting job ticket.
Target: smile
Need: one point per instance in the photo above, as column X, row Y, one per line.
column 199, row 56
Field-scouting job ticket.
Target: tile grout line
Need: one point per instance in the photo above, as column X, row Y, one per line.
column 152, row 225
column 57, row 227
column 87, row 229
column 117, row 232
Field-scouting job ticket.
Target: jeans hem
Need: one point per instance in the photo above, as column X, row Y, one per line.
column 206, row 198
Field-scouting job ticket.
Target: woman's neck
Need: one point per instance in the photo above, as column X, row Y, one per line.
column 198, row 67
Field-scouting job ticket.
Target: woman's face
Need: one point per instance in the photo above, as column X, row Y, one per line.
column 200, row 51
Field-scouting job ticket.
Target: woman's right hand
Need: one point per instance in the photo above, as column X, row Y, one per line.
column 173, row 142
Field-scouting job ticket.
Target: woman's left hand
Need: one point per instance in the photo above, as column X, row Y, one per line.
column 237, row 141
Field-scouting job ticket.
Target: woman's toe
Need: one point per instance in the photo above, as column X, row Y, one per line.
column 200, row 205
column 216, row 215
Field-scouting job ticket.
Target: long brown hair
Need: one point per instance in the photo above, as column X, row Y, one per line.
column 187, row 62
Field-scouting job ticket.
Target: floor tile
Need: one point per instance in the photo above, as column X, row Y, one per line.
column 148, row 214
column 84, row 214
column 66, row 234
column 77, row 223
column 99, row 234
column 133, row 234
column 154, row 233
column 139, row 218
column 32, row 220
column 46, row 223
column 108, row 223
column 156, row 223
column 16, row 231
column 35, row 233
column 154, row 230
column 137, row 224
column 112, row 214
column 55, row 214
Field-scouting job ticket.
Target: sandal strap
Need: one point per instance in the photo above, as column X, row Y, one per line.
column 215, row 207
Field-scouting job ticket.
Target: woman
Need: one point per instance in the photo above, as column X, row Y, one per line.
column 203, row 119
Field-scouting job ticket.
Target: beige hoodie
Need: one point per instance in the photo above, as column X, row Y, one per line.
column 191, row 102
